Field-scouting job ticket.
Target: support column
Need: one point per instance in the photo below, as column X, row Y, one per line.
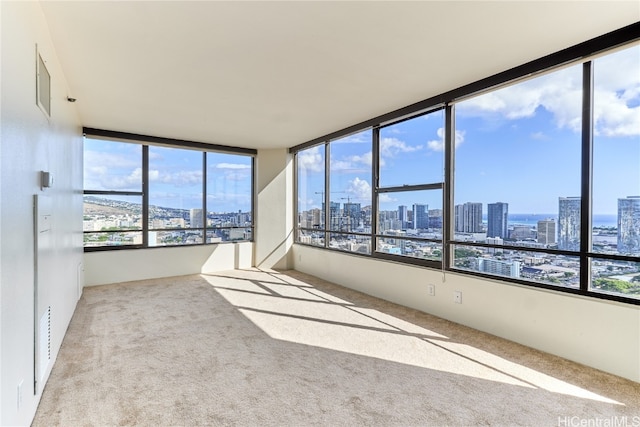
column 274, row 209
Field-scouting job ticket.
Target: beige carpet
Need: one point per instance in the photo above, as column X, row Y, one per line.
column 254, row 348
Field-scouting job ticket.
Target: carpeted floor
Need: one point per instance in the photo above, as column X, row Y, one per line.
column 265, row 348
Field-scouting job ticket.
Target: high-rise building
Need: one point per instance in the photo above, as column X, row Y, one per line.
column 499, row 267
column 196, row 219
column 352, row 213
column 569, row 223
column 497, row 218
column 403, row 216
column 468, row 217
column 547, row 231
column 629, row 225
column 420, row 217
column 334, row 215
column 435, row 218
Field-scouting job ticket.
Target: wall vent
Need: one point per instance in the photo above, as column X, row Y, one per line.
column 45, row 342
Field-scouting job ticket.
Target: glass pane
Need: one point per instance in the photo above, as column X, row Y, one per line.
column 517, row 160
column 112, row 238
column 229, row 235
column 111, row 213
column 412, row 213
column 411, row 248
column 350, row 183
column 616, row 277
column 112, row 166
column 308, row 237
column 175, row 188
column 538, row 267
column 229, row 190
column 311, row 176
column 412, row 152
column 350, row 243
column 175, row 237
column 616, row 153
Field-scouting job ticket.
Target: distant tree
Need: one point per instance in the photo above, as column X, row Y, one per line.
column 618, row 286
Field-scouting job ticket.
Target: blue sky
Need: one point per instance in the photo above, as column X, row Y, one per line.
column 175, row 175
column 519, row 144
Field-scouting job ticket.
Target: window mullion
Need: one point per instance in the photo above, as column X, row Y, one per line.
column 375, row 178
column 586, row 174
column 447, row 194
column 327, row 194
column 204, row 197
column 145, row 196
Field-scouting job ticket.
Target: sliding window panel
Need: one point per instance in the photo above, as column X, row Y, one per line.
column 411, row 213
column 175, row 189
column 412, row 151
column 356, row 243
column 107, row 212
column 311, row 237
column 175, row 237
column 518, row 161
column 350, row 183
column 233, row 234
column 311, row 187
column 550, row 269
column 414, row 248
column 229, row 189
column 620, row 278
column 112, row 238
column 616, row 153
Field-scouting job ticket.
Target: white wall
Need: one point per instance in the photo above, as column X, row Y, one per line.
column 597, row 333
column 138, row 264
column 31, row 143
column 274, row 212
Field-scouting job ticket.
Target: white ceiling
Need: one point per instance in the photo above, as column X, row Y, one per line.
column 276, row 74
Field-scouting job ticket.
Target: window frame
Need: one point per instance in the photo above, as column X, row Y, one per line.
column 583, row 53
column 145, row 141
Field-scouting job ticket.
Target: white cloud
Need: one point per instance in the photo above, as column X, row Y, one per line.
column 311, row 160
column 232, row 166
column 616, row 97
column 353, row 164
column 390, row 147
column 385, row 198
column 180, row 179
column 356, row 138
column 438, row 144
column 359, row 190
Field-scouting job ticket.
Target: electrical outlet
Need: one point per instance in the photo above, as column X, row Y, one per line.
column 431, row 289
column 457, row 297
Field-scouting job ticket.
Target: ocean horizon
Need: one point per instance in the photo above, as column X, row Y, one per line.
column 532, row 219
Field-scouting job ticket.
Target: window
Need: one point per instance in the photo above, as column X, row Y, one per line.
column 229, row 197
column 311, row 189
column 191, row 196
column 113, row 194
column 409, row 195
column 350, row 193
column 531, row 175
column 517, row 173
column 615, row 216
